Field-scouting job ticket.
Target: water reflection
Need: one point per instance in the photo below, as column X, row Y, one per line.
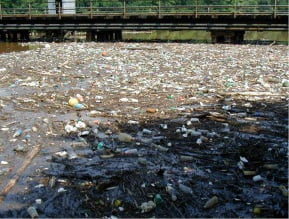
column 6, row 47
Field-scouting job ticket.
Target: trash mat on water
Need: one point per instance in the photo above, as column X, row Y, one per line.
column 183, row 130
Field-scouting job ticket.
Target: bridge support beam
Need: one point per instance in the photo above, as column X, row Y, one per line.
column 12, row 36
column 109, row 35
column 118, row 35
column 3, row 36
column 227, row 36
column 55, row 35
column 90, row 36
column 24, row 36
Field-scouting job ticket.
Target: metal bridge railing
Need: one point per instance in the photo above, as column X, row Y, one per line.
column 156, row 7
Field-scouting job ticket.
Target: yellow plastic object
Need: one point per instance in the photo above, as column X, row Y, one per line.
column 72, row 101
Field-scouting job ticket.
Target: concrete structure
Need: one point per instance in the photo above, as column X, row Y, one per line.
column 64, row 6
column 51, row 7
column 68, row 6
column 227, row 36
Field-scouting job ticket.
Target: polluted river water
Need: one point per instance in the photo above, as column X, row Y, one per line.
column 6, row 47
column 144, row 130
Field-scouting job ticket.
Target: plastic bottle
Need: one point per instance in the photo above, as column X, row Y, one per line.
column 169, row 97
column 262, row 114
column 123, row 137
column 211, row 202
column 78, row 106
column 158, row 199
column 160, row 148
column 79, row 97
column 17, row 133
column 142, row 161
column 72, row 101
column 185, row 189
column 32, row 212
column 147, row 131
column 131, row 151
column 100, row 146
column 145, row 140
column 285, row 83
column 257, row 178
column 186, row 158
column 172, row 192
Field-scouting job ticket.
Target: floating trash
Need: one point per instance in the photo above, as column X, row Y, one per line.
column 72, row 101
column 147, row 206
column 211, row 202
column 176, row 120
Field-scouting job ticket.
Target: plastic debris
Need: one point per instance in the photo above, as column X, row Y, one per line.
column 257, row 210
column 34, row 129
column 4, row 171
column 60, row 190
column 196, row 115
column 211, row 202
column 285, row 83
column 17, row 133
column 100, row 146
column 160, row 148
column 142, row 161
column 257, row 178
column 283, row 190
column 3, row 162
column 185, row 189
column 32, row 212
column 132, row 122
column 128, row 100
column 38, row 201
column 243, row 159
column 186, row 158
column 240, row 164
column 98, row 99
column 72, row 101
column 79, row 98
column 69, row 128
column 78, row 106
column 52, row 181
column 124, row 137
column 172, row 192
column 146, row 131
column 131, row 151
column 158, row 199
column 106, row 156
column 117, row 203
column 62, row 153
column 80, row 125
column 249, row 173
column 270, row 166
column 147, row 206
column 20, row 148
column 151, row 110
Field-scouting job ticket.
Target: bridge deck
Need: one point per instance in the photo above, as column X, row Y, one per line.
column 184, row 17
